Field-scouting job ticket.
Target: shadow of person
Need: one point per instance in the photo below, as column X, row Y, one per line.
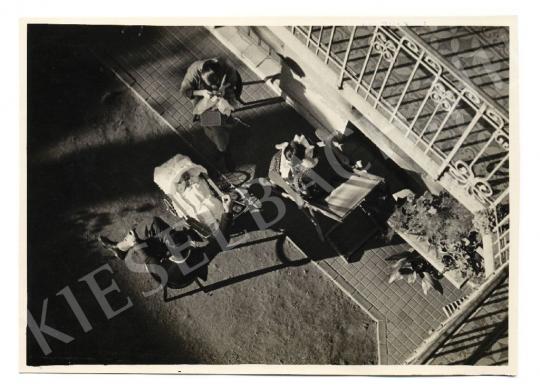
column 288, row 79
column 292, row 66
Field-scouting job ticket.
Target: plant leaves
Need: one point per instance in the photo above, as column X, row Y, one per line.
column 399, row 264
column 395, row 276
column 430, row 282
column 406, row 270
column 426, row 284
column 398, row 256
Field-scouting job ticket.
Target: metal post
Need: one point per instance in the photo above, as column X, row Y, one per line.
column 501, row 197
column 409, row 81
column 364, row 66
column 319, row 40
column 496, row 168
column 342, row 73
column 435, row 81
column 443, row 123
column 330, row 44
column 390, row 67
column 486, row 145
column 461, row 140
column 428, row 122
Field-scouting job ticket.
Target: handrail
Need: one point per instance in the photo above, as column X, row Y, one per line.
column 415, row 38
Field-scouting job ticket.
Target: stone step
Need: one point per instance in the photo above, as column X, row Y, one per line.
column 256, row 56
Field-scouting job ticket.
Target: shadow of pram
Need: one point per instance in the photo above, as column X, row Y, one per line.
column 345, row 240
column 193, row 197
column 285, row 262
column 292, row 227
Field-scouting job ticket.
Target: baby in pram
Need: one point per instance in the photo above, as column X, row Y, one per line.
column 190, row 192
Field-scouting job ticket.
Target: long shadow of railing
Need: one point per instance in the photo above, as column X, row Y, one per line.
column 468, row 345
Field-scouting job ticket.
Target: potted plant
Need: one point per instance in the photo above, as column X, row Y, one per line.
column 411, row 267
column 446, row 227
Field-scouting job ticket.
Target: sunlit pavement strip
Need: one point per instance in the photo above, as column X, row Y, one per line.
column 405, row 317
column 382, row 351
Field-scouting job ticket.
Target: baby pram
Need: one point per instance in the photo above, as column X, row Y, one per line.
column 190, row 193
column 346, row 201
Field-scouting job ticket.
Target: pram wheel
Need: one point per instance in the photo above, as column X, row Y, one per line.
column 238, row 205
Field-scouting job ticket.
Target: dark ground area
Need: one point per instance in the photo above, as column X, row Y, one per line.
column 92, row 148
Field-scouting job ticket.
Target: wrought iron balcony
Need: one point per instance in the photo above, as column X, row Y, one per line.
column 461, row 129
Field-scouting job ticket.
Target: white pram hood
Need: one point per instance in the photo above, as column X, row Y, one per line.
column 196, row 200
column 169, row 174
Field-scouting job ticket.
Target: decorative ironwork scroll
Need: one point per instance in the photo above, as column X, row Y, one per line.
column 476, row 186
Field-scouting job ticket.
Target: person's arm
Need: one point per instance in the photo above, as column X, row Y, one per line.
column 198, row 244
column 226, row 219
column 190, row 84
column 234, row 87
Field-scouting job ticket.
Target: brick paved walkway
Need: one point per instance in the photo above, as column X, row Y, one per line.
column 407, row 316
column 153, row 65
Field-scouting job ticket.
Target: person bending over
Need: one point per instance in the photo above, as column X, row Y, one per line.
column 214, row 85
column 176, row 255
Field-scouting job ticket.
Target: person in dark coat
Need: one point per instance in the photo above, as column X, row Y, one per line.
column 176, row 255
column 209, row 78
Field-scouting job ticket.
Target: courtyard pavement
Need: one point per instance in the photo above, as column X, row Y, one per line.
column 152, row 63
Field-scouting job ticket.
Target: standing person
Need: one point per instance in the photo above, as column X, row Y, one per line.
column 214, row 78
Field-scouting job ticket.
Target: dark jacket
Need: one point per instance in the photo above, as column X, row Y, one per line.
column 156, row 248
column 193, row 80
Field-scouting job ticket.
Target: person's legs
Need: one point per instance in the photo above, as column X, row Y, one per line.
column 117, row 248
column 220, row 136
column 155, row 227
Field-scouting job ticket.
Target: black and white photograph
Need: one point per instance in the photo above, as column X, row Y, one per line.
column 333, row 194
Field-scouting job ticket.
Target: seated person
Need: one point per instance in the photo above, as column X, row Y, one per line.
column 312, row 170
column 179, row 251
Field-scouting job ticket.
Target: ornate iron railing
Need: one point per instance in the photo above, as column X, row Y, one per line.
column 462, row 130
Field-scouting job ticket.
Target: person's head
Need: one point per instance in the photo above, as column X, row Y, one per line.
column 190, row 177
column 294, row 151
column 186, row 177
column 212, row 73
column 130, row 240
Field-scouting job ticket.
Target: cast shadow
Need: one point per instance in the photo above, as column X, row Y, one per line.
column 208, row 289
